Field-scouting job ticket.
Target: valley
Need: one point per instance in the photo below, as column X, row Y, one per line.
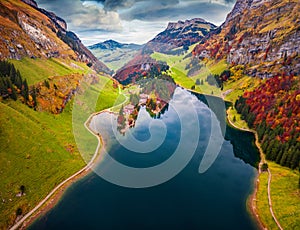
column 114, row 54
column 250, row 63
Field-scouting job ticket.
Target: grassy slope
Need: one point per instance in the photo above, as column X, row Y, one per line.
column 285, row 197
column 36, row 70
column 34, row 145
column 33, row 154
column 114, row 59
column 284, row 191
column 179, row 73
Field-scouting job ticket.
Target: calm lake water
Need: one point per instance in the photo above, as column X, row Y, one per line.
column 215, row 199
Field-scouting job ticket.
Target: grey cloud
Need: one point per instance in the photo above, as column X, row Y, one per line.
column 132, row 20
column 83, row 17
column 209, row 11
column 126, row 4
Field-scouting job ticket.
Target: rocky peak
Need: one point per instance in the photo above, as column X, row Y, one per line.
column 180, row 34
column 262, row 35
column 31, row 3
column 181, row 24
column 57, row 20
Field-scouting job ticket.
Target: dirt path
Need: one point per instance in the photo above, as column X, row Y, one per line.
column 262, row 161
column 61, row 185
column 270, row 201
column 60, row 188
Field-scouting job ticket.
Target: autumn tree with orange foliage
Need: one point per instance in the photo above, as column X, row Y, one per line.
column 273, row 110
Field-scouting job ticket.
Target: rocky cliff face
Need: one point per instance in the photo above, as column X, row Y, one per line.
column 181, row 33
column 26, row 30
column 262, row 35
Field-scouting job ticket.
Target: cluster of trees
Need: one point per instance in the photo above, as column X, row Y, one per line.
column 134, row 99
column 193, row 67
column 121, row 119
column 12, row 84
column 218, row 80
column 273, row 110
column 135, row 72
column 198, row 82
column 163, row 87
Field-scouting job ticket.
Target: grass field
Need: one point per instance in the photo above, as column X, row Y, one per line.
column 179, row 72
column 115, row 59
column 95, row 98
column 38, row 149
column 238, row 122
column 285, row 196
column 37, row 70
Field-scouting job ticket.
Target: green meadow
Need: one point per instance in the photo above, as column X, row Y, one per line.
column 38, row 149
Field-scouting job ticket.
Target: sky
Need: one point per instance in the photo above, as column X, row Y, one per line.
column 131, row 21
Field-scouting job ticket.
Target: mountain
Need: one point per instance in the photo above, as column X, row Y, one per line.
column 113, row 45
column 28, row 31
column 261, row 39
column 114, row 54
column 175, row 39
column 264, row 36
column 42, row 66
column 180, row 34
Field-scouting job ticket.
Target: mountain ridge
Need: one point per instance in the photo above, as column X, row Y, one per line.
column 113, row 45
column 115, row 54
column 181, row 33
column 28, row 31
column 262, row 35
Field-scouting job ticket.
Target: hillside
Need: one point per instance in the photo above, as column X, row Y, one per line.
column 114, row 54
column 174, row 40
column 258, row 45
column 181, row 35
column 28, row 31
column 273, row 110
column 259, row 40
column 38, row 149
column 263, row 36
column 44, row 66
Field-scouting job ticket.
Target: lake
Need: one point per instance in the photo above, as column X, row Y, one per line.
column 176, row 175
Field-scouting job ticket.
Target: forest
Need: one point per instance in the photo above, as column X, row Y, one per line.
column 273, row 110
column 13, row 86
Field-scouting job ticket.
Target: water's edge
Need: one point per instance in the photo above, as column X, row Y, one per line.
column 55, row 198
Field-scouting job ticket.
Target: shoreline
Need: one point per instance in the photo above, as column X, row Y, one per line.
column 57, row 193
column 251, row 200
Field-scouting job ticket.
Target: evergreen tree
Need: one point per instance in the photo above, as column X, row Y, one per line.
column 12, row 74
column 2, row 86
column 278, row 157
column 46, row 83
column 18, row 80
column 284, row 157
column 25, row 90
column 121, row 111
column 34, row 97
column 13, row 94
